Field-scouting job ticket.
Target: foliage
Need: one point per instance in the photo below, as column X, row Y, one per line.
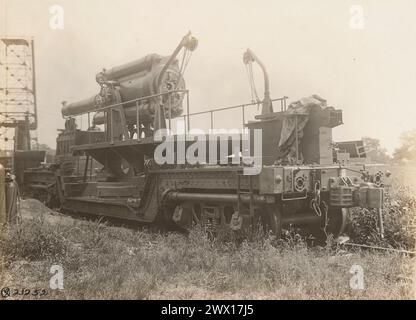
column 375, row 151
column 399, row 214
column 42, row 146
column 407, row 151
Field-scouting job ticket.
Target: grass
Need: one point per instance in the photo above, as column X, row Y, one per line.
column 107, row 262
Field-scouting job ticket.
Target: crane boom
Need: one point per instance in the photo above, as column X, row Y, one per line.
column 250, row 57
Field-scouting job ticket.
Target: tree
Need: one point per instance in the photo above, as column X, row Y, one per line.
column 42, row 146
column 50, row 153
column 375, row 151
column 407, row 150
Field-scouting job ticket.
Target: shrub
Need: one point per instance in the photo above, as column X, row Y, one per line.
column 399, row 215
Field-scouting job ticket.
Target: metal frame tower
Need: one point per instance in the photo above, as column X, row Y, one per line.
column 18, row 110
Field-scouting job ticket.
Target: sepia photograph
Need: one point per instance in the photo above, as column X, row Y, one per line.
column 209, row 157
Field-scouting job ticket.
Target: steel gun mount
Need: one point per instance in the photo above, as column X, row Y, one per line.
column 146, row 91
column 301, row 181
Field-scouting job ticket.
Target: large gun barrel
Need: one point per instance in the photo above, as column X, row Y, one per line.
column 135, row 80
column 130, row 68
column 150, row 75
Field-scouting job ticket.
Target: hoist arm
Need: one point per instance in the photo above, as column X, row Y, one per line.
column 188, row 42
column 250, row 57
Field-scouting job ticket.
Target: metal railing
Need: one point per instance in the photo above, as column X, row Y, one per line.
column 137, row 101
column 282, row 100
column 186, row 117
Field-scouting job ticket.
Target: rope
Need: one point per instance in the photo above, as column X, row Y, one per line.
column 378, row 248
column 188, row 59
column 250, row 84
column 187, row 54
column 183, row 61
column 253, row 82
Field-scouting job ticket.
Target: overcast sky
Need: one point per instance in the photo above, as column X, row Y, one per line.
column 309, row 47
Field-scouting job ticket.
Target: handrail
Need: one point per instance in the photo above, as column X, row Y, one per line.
column 186, row 116
column 236, row 106
column 211, row 112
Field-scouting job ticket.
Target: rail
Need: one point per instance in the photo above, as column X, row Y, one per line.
column 242, row 106
column 137, row 104
column 186, row 117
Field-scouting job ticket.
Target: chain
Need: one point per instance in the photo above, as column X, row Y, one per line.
column 325, row 209
column 316, row 201
column 319, row 206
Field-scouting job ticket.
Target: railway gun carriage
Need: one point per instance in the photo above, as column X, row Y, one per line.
column 300, row 178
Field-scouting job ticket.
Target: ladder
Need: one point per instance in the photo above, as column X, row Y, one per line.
column 240, row 192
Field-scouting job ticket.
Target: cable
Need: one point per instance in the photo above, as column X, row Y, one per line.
column 378, row 248
column 250, row 83
column 187, row 54
column 253, row 90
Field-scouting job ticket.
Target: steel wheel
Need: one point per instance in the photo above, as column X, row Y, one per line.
column 337, row 221
column 335, row 224
column 183, row 217
column 271, row 219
